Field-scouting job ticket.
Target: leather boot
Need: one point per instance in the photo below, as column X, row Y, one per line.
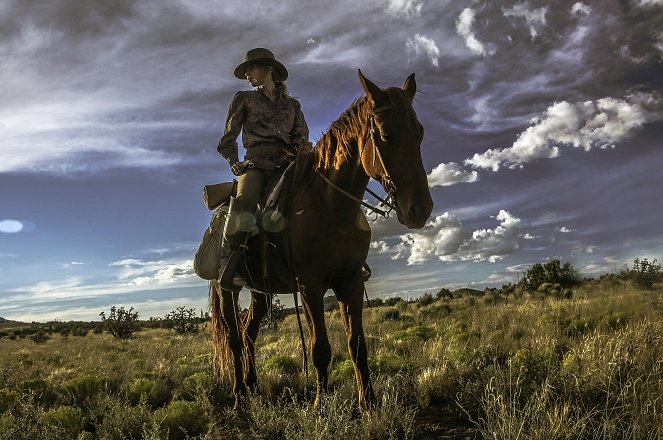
column 232, row 248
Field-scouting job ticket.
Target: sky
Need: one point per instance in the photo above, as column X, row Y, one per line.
column 543, row 137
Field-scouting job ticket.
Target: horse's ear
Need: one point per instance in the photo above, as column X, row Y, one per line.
column 410, row 87
column 373, row 92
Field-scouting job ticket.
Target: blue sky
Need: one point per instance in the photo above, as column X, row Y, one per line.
column 543, row 134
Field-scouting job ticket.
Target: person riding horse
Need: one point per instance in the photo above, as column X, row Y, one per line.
column 273, row 130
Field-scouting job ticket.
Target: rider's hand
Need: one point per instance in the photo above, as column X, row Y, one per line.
column 237, row 168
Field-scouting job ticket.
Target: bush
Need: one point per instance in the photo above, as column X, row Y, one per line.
column 182, row 320
column 196, row 384
column 68, row 418
column 644, row 273
column 390, row 314
column 551, row 272
column 282, row 364
column 84, row 387
column 8, row 399
column 388, row 363
column 154, row 393
column 416, row 333
column 40, row 337
column 121, row 323
column 425, row 300
column 123, row 422
column 182, row 419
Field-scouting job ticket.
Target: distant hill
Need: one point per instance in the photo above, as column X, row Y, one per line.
column 465, row 291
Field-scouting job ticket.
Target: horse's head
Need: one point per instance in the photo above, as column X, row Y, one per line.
column 392, row 150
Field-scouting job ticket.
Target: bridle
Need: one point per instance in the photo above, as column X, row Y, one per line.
column 387, row 183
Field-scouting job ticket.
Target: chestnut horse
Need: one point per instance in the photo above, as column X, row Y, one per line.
column 378, row 137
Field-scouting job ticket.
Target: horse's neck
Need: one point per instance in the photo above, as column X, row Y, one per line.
column 348, row 175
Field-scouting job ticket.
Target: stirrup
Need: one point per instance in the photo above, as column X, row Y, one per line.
column 365, row 272
column 229, row 280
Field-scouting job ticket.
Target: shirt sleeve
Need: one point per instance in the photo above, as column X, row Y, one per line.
column 299, row 132
column 227, row 146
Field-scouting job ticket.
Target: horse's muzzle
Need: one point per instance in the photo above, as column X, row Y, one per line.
column 416, row 216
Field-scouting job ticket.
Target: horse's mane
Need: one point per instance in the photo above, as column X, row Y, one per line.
column 332, row 147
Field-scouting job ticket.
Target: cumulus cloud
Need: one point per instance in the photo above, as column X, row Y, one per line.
column 10, row 226
column 582, row 125
column 535, row 18
column 445, row 238
column 141, row 272
column 580, row 8
column 447, row 174
column 464, row 29
column 406, row 8
column 422, row 45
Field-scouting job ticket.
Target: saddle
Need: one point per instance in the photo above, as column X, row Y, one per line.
column 265, row 262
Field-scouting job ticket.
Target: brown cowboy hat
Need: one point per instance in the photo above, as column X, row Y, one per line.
column 260, row 55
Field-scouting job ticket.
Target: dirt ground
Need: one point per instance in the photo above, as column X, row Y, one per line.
column 440, row 422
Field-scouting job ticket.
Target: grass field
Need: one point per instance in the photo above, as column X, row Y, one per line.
column 491, row 366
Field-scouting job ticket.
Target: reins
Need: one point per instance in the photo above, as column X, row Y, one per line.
column 387, row 184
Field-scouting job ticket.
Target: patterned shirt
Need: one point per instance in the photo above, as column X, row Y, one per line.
column 267, row 126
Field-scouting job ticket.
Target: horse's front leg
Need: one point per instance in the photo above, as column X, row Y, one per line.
column 257, row 311
column 229, row 315
column 351, row 302
column 312, row 301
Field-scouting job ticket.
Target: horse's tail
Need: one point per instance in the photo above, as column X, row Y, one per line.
column 220, row 335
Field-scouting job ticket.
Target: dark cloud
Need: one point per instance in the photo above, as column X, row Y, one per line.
column 111, row 111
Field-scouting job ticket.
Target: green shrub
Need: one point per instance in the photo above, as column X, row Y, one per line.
column 644, row 273
column 390, row 314
column 154, row 392
column 40, row 337
column 121, row 323
column 282, row 364
column 84, row 387
column 123, row 422
column 388, row 363
column 182, row 419
column 68, row 418
column 8, row 399
column 425, row 300
column 39, row 389
column 342, row 372
column 415, row 332
column 182, row 320
column 195, row 384
column 436, row 310
column 551, row 272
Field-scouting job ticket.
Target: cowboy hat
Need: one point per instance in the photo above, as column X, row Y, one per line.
column 264, row 56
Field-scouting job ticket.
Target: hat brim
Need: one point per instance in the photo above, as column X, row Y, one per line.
column 278, row 67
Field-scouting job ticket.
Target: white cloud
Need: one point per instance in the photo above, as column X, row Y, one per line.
column 141, row 272
column 380, row 247
column 445, row 238
column 580, row 8
column 464, row 29
column 647, row 3
column 407, row 8
column 11, row 226
column 582, row 125
column 535, row 18
column 421, row 44
column 529, row 236
column 565, row 230
column 447, row 174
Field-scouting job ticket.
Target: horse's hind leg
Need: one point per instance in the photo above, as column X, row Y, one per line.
column 229, row 315
column 312, row 300
column 257, row 311
column 350, row 299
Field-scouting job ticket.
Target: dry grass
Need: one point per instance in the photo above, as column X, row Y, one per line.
column 590, row 367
